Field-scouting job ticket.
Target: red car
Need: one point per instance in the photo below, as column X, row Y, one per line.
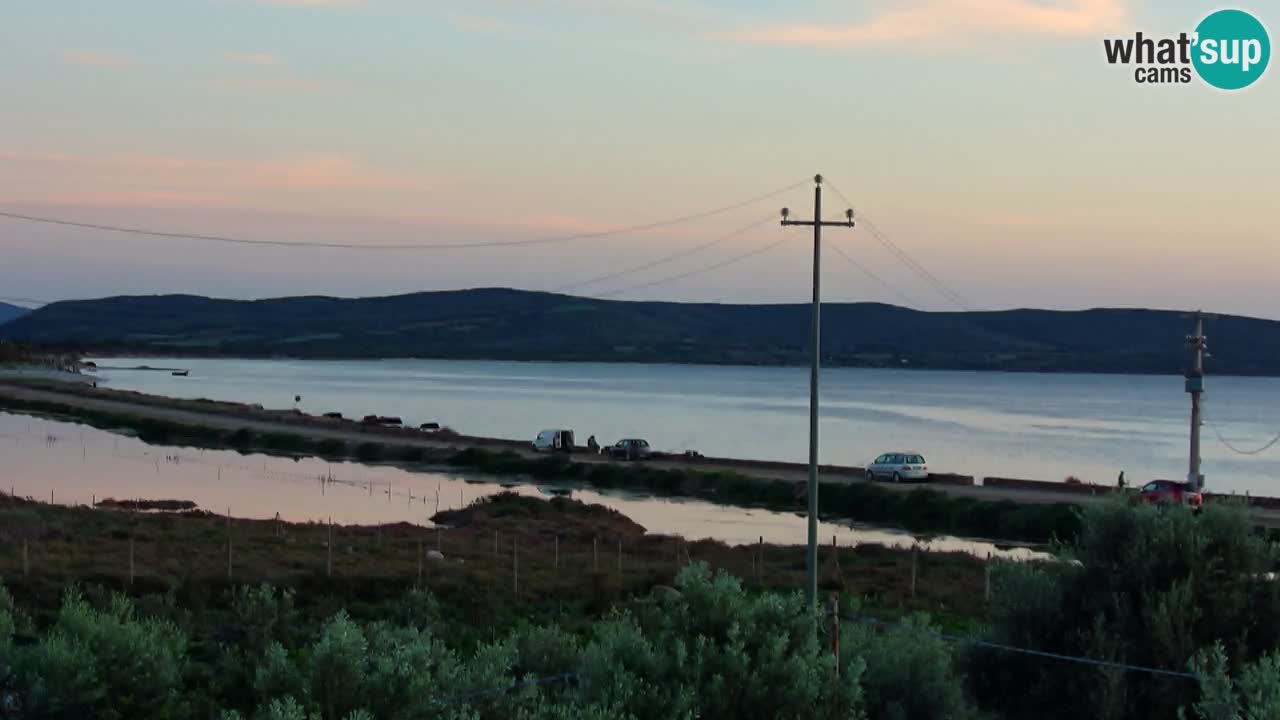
column 1162, row 492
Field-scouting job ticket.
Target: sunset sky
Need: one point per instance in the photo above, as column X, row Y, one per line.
column 989, row 139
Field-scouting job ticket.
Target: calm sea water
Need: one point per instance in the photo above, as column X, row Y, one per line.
column 1035, row 426
column 73, row 464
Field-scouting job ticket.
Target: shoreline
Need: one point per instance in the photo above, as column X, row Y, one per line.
column 828, row 365
column 1005, row 510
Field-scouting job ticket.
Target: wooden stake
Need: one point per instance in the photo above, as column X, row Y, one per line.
column 438, row 540
column 418, row 585
column 228, row 543
column 495, row 543
column 914, row 553
column 619, row 556
column 130, row 561
column 328, row 566
column 986, row 571
column 595, row 554
column 26, row 560
column 515, row 568
column 557, row 556
column 760, row 561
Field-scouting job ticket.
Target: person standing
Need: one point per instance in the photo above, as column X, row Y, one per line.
column 592, row 445
column 1120, row 482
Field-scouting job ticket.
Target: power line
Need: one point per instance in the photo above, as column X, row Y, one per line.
column 942, row 288
column 662, row 260
column 1001, row 647
column 704, row 269
column 861, row 268
column 405, row 246
column 1233, row 448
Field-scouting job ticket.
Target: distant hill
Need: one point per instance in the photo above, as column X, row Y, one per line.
column 9, row 312
column 521, row 325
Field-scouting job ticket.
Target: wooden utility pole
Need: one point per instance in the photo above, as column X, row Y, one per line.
column 815, row 335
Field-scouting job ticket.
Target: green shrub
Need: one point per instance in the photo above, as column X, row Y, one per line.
column 370, row 451
column 907, row 674
column 1143, row 585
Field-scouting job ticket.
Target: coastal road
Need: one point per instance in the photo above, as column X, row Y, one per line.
column 231, row 416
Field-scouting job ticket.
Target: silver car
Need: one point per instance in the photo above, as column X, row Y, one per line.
column 898, row 467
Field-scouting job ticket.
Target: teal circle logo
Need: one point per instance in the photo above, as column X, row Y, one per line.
column 1232, row 49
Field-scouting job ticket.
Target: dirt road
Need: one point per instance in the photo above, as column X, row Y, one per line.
column 232, row 417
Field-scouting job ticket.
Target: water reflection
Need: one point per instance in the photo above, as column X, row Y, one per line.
column 74, row 464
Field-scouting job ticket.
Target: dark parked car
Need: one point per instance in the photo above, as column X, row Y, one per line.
column 1169, row 492
column 630, row 449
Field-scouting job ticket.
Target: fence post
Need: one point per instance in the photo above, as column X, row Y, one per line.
column 418, row 584
column 835, row 631
column 495, row 543
column 228, row 544
column 914, row 553
column 515, row 567
column 619, row 555
column 986, row 572
column 328, row 563
column 595, row 554
column 130, row 561
column 557, row 557
column 26, row 560
column 438, row 548
column 760, row 563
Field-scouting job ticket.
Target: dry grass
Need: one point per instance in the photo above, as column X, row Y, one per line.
column 493, row 565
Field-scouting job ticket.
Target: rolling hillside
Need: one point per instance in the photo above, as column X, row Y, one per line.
column 521, row 325
column 9, row 312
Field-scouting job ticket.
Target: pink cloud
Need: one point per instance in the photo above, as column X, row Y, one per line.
column 95, row 58
column 918, row 20
column 329, row 178
column 258, row 59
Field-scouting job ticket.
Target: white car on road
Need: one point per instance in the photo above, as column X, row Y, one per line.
column 898, row 467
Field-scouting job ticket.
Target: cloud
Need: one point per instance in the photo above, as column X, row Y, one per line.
column 949, row 20
column 194, row 181
column 258, row 59
column 95, row 58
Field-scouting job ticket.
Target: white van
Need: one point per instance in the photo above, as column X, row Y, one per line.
column 554, row 441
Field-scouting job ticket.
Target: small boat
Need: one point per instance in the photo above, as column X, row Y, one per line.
column 181, row 373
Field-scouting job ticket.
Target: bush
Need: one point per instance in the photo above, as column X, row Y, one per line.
column 1255, row 695
column 1142, row 585
column 907, row 674
column 104, row 664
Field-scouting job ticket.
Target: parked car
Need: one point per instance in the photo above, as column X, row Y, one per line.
column 1170, row 492
column 554, row 441
column 630, row 449
column 898, row 467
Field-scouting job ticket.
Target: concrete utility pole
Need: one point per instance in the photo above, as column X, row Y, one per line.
column 811, row 553
column 1196, row 347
